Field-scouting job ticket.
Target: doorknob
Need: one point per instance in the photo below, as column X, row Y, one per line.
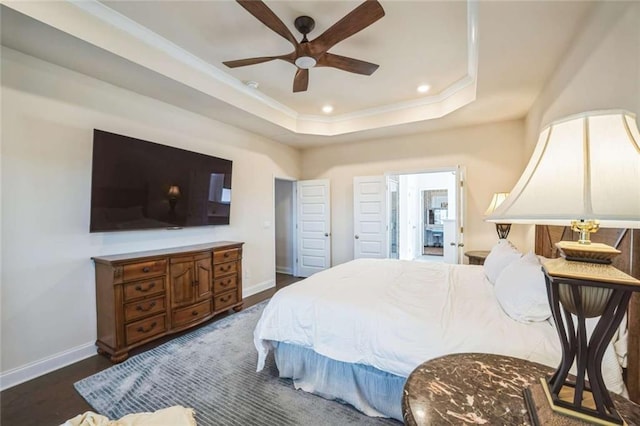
column 452, row 244
column 326, row 234
column 461, row 245
column 357, row 236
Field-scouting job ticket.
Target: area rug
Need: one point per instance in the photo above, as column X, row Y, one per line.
column 213, row 370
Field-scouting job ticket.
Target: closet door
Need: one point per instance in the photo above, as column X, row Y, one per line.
column 313, row 226
column 370, row 217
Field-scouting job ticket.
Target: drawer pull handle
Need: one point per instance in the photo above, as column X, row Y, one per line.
column 225, row 298
column 226, row 283
column 195, row 283
column 146, row 269
column 151, row 327
column 148, row 308
column 194, row 313
column 144, row 290
column 225, row 269
column 227, row 254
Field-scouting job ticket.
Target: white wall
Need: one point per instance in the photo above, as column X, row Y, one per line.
column 284, row 226
column 48, row 116
column 492, row 154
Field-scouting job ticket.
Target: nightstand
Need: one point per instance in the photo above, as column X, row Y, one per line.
column 477, row 257
column 480, row 389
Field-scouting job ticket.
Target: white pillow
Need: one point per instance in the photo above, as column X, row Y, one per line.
column 502, row 254
column 521, row 290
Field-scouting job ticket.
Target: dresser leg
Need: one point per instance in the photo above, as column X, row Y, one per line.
column 237, row 308
column 117, row 358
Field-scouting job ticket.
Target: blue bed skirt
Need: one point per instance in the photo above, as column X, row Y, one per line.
column 374, row 392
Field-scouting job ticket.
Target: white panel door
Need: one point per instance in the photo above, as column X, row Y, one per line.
column 313, row 226
column 370, row 217
column 454, row 228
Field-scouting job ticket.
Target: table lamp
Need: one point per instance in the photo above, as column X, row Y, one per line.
column 584, row 171
column 502, row 229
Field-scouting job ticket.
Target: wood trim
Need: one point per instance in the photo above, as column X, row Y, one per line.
column 628, row 242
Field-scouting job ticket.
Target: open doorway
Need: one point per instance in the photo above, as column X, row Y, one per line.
column 284, row 201
column 425, row 215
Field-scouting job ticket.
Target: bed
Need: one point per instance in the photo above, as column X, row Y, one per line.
column 355, row 332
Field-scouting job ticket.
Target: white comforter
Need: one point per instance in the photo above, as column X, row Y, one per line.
column 394, row 315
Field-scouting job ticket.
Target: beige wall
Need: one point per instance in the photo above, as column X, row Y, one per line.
column 600, row 71
column 492, row 155
column 48, row 117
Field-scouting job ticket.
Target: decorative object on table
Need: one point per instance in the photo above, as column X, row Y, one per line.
column 579, row 173
column 502, row 229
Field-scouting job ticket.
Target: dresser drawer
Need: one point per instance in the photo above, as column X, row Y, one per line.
column 225, row 300
column 152, row 268
column 191, row 313
column 220, row 256
column 220, row 285
column 143, row 329
column 144, row 308
column 225, row 268
column 144, row 288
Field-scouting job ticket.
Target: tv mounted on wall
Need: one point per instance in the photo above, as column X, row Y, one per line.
column 137, row 184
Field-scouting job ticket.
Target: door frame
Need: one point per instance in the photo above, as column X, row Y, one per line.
column 460, row 173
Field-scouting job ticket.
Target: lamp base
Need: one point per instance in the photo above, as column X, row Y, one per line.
column 591, row 253
column 543, row 412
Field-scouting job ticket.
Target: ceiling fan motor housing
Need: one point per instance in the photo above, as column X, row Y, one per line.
column 304, row 24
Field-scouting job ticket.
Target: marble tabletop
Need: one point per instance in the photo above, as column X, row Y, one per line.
column 479, row 389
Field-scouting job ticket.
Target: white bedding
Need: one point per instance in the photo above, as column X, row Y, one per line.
column 394, row 315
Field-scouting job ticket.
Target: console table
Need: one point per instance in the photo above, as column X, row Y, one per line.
column 479, row 389
column 143, row 296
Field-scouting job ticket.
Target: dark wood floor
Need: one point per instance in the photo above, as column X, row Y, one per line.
column 51, row 399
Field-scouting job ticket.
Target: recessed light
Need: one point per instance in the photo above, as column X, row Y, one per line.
column 252, row 84
column 327, row 109
column 424, row 88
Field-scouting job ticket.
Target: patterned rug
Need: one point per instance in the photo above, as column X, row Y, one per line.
column 213, row 370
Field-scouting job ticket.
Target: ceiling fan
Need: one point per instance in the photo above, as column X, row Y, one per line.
column 308, row 54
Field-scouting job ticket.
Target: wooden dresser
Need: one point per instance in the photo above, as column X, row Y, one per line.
column 146, row 295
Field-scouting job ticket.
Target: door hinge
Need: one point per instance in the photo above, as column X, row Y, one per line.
column 461, row 183
column 462, row 229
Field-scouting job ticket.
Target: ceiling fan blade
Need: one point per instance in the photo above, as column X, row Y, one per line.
column 265, row 15
column 347, row 64
column 249, row 61
column 301, row 80
column 356, row 20
column 290, row 57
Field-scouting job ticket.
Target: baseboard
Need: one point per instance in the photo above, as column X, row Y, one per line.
column 284, row 270
column 38, row 368
column 265, row 285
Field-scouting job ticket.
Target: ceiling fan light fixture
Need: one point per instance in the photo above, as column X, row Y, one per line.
column 305, row 62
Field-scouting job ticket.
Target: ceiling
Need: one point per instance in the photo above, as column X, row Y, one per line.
column 485, row 61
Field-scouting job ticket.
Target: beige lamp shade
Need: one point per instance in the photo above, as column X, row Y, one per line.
column 584, row 167
column 496, row 200
column 174, row 191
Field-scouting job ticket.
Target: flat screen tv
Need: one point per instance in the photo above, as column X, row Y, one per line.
column 137, row 184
